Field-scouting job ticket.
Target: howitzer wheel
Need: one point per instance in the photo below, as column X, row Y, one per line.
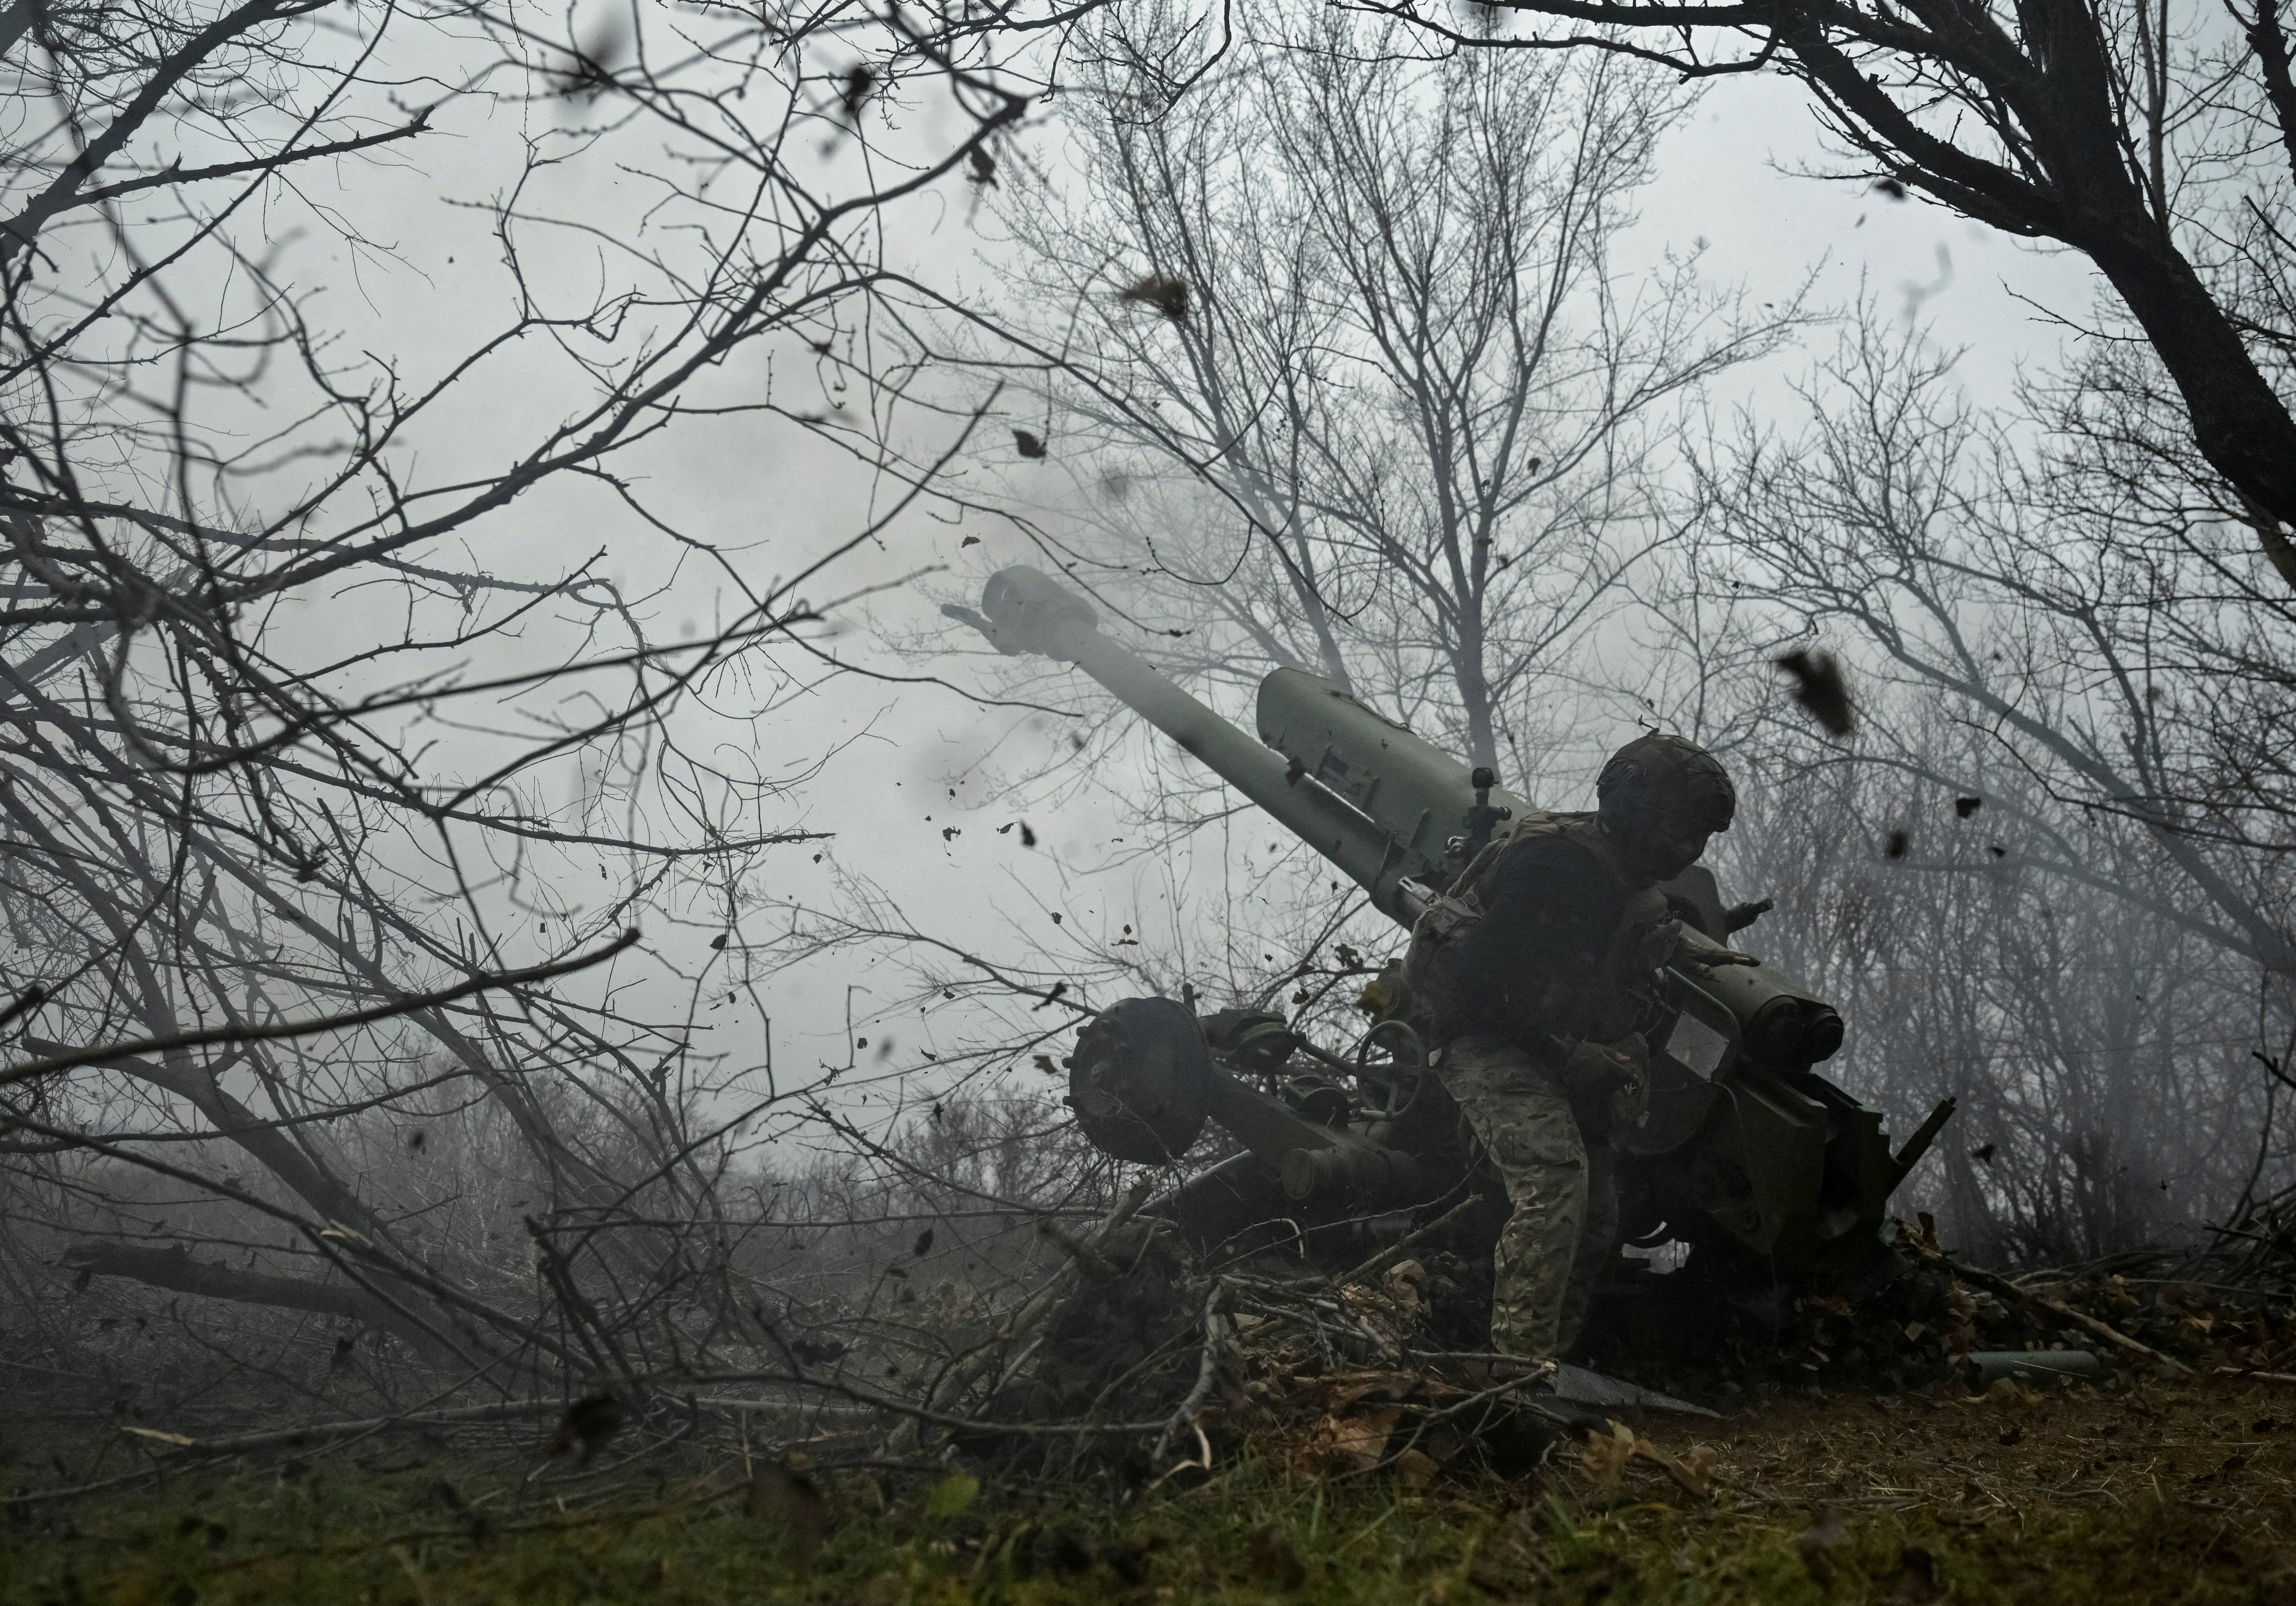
column 1140, row 1079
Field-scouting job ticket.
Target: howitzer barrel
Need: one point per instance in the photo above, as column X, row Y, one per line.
column 1383, row 804
column 1029, row 611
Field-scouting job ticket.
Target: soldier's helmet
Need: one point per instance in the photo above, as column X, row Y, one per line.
column 1666, row 782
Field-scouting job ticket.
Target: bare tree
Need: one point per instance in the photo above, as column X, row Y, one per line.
column 2044, row 871
column 2099, row 1059
column 1354, row 381
column 1907, row 517
column 333, row 803
column 2154, row 139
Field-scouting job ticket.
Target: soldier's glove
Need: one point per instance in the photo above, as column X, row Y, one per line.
column 1602, row 1068
column 1670, row 944
column 1631, row 1099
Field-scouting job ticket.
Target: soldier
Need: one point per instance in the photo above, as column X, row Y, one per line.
column 1541, row 988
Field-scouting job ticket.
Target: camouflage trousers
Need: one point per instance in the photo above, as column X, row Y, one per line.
column 1565, row 1219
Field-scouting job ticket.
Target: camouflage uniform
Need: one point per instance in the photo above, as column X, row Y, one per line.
column 1561, row 952
column 1554, row 1245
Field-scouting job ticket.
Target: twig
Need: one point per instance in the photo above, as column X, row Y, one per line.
column 235, row 1034
column 1394, row 1251
column 288, row 1439
column 901, row 1408
column 1215, row 1333
column 1032, row 1311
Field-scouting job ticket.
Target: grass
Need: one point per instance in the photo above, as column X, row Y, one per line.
column 2165, row 1494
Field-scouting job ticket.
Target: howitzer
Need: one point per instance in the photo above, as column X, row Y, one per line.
column 1745, row 1153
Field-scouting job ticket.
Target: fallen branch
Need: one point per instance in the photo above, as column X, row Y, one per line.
column 292, row 1438
column 1998, row 1285
column 175, row 1270
column 898, row 1407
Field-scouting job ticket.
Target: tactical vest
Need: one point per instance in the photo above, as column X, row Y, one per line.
column 1622, row 994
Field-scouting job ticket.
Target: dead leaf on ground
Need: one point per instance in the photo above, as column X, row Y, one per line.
column 1354, row 1444
column 1417, row 1469
column 1693, row 1470
column 1341, row 1389
column 2007, row 1392
column 1606, row 1455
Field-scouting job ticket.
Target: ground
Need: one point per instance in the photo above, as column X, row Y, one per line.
column 2161, row 1492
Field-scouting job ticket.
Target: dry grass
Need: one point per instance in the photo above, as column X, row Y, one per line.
column 2162, row 1493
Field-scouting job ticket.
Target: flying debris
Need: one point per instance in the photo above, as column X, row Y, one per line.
column 859, row 80
column 1166, row 294
column 1820, row 689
